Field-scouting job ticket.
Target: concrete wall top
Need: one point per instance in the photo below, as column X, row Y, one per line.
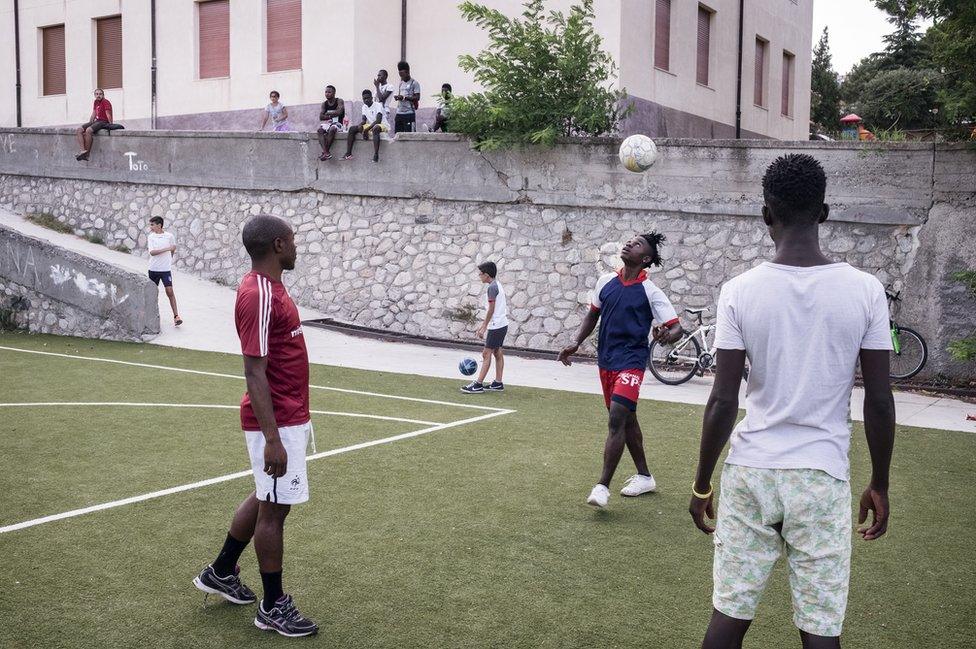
column 885, row 183
column 95, row 287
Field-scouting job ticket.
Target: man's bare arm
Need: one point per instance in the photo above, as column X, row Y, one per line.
column 720, row 413
column 879, row 429
column 255, row 372
column 586, row 328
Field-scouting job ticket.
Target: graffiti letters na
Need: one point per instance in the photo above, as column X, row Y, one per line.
column 23, row 262
column 7, row 143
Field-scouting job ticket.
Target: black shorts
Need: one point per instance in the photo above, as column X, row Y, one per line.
column 496, row 338
column 95, row 126
column 164, row 275
column 403, row 122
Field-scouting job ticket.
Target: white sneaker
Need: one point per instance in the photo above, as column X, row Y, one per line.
column 638, row 484
column 599, row 496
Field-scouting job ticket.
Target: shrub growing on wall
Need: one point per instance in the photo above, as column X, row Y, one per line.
column 544, row 76
column 965, row 349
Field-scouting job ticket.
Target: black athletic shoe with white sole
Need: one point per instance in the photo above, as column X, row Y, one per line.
column 230, row 587
column 285, row 619
column 473, row 388
column 495, row 386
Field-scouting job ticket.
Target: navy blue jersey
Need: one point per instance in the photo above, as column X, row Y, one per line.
column 627, row 310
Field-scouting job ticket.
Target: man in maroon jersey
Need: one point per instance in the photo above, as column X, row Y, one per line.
column 101, row 117
column 276, row 423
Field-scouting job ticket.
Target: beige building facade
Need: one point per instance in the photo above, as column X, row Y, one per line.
column 217, row 60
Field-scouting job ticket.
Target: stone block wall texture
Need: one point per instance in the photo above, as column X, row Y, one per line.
column 395, row 245
column 47, row 289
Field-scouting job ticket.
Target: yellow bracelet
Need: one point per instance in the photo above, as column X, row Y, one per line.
column 702, row 496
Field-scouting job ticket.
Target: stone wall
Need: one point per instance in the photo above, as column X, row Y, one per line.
column 378, row 250
column 409, row 264
column 46, row 289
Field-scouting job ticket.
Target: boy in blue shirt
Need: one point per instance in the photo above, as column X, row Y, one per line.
column 626, row 303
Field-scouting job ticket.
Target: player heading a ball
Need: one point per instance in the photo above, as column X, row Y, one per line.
column 638, row 153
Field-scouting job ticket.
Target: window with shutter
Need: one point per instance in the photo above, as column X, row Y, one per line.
column 108, row 34
column 214, row 20
column 52, row 56
column 284, row 27
column 759, row 85
column 704, row 36
column 787, row 100
column 662, row 35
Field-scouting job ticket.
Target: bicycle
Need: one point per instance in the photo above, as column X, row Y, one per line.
column 909, row 351
column 676, row 363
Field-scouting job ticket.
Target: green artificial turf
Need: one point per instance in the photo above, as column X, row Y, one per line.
column 471, row 536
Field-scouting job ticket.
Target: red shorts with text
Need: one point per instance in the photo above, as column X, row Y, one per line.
column 622, row 386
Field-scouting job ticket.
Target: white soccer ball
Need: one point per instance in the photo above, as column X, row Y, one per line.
column 638, row 153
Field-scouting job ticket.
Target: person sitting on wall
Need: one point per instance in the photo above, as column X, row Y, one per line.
column 408, row 96
column 443, row 111
column 331, row 115
column 373, row 123
column 100, row 118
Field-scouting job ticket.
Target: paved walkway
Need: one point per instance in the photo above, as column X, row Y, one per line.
column 207, row 310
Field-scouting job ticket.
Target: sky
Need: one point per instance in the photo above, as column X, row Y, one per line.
column 855, row 29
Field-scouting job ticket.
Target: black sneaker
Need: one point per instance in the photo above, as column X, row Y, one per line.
column 496, row 386
column 473, row 388
column 230, row 587
column 285, row 619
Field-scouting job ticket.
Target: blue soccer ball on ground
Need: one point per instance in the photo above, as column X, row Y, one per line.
column 468, row 366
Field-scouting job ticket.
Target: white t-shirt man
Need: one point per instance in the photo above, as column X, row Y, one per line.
column 802, row 329
column 162, row 262
column 370, row 112
column 384, row 88
column 496, row 294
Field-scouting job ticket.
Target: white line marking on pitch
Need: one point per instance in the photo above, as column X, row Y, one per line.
column 241, row 378
column 207, row 405
column 239, row 474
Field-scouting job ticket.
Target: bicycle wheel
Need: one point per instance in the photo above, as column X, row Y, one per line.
column 676, row 363
column 911, row 355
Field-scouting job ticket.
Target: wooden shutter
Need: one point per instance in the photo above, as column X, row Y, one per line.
column 214, row 19
column 787, row 84
column 662, row 35
column 704, row 34
column 284, row 21
column 52, row 42
column 757, row 95
column 109, row 48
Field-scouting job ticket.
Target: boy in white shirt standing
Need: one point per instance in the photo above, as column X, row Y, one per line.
column 493, row 330
column 161, row 246
column 804, row 322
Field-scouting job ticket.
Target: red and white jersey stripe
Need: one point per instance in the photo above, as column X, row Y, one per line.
column 269, row 327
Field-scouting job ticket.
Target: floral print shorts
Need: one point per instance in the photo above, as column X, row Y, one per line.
column 761, row 512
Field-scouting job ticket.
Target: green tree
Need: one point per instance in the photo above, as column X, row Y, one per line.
column 544, row 75
column 863, row 71
column 903, row 46
column 824, row 88
column 953, row 45
column 902, row 98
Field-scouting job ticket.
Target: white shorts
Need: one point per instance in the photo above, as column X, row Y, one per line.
column 291, row 488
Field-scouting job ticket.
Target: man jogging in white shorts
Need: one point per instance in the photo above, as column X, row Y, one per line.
column 275, row 418
column 803, row 322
